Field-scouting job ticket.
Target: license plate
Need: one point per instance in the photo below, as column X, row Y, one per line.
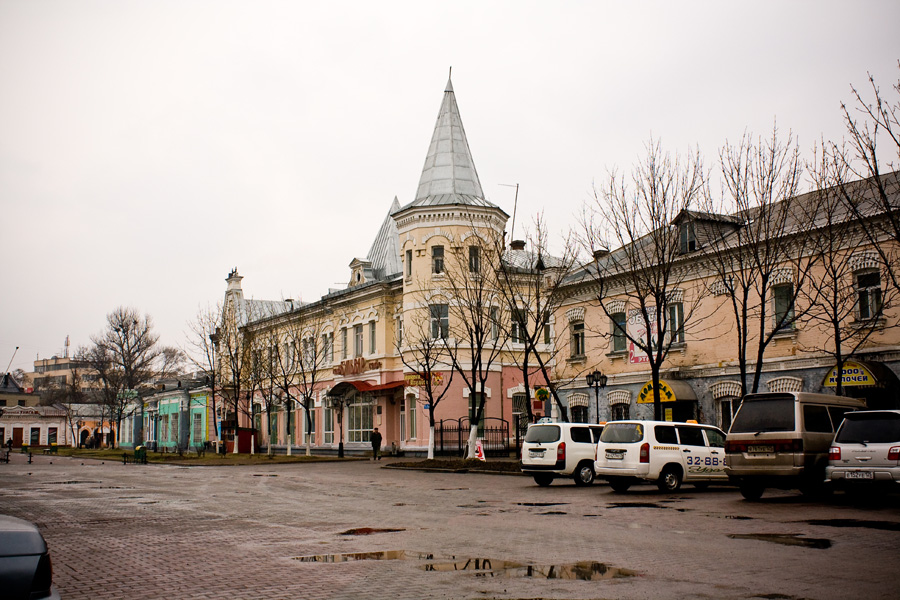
column 615, row 455
column 536, row 453
column 858, row 475
column 761, row 449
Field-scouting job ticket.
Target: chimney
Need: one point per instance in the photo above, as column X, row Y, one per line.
column 517, row 245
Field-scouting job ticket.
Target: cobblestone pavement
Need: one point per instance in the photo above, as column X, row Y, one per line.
column 148, row 531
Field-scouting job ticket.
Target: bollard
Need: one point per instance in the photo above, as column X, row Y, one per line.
column 29, row 458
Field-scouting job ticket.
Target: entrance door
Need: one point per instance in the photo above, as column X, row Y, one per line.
column 18, row 432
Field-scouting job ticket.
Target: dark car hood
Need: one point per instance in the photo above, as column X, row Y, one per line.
column 20, row 537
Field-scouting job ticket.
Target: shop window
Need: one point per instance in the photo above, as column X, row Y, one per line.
column 868, row 290
column 328, row 425
column 403, row 417
column 412, row 417
column 359, row 422
column 577, row 339
column 618, row 323
column 579, row 414
column 783, row 296
column 727, row 408
column 35, row 436
column 619, row 412
column 437, row 259
column 440, row 321
column 51, row 435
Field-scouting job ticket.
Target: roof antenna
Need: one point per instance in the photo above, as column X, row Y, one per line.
column 450, row 75
column 512, row 232
column 11, row 359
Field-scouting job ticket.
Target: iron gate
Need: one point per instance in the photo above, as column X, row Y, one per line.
column 452, row 436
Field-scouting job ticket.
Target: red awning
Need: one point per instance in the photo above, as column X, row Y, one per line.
column 364, row 386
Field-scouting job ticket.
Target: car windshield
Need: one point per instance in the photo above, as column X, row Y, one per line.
column 542, row 434
column 769, row 414
column 622, row 433
column 869, row 428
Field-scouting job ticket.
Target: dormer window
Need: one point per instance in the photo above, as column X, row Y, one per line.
column 687, row 236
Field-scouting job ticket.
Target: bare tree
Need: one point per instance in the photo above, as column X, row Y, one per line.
column 752, row 242
column 848, row 301
column 531, row 282
column 300, row 359
column 427, row 357
column 129, row 348
column 631, row 231
column 231, row 366
column 473, row 284
column 201, row 352
column 865, row 173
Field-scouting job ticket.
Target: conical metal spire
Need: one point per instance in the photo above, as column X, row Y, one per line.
column 449, row 175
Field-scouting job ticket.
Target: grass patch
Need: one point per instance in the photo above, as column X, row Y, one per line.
column 192, row 459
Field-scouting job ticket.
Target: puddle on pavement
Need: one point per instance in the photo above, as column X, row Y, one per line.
column 354, row 556
column 264, row 475
column 69, row 482
column 787, row 539
column 635, row 505
column 451, row 489
column 738, row 517
column 369, row 531
column 541, row 503
column 553, row 512
column 485, row 567
column 482, row 567
column 882, row 525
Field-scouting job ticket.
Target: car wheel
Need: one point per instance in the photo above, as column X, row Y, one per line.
column 584, row 474
column 543, row 480
column 752, row 491
column 669, row 479
column 619, row 484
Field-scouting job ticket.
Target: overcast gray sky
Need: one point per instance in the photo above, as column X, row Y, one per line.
column 146, row 148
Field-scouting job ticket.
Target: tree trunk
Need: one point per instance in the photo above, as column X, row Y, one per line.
column 431, row 443
column 473, row 437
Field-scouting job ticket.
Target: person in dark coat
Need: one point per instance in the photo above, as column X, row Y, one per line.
column 376, row 444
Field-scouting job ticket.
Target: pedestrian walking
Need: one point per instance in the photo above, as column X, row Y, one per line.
column 376, row 444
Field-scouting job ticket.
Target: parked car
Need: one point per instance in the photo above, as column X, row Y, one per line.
column 25, row 569
column 866, row 451
column 781, row 440
column 663, row 452
column 552, row 450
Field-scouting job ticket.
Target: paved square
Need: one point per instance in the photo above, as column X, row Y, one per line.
column 148, row 531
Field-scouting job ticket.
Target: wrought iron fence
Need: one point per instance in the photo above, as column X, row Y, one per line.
column 452, row 436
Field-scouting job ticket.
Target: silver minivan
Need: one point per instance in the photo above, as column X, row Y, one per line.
column 866, row 451
column 782, row 439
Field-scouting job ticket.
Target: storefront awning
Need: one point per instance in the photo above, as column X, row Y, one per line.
column 669, row 391
column 345, row 387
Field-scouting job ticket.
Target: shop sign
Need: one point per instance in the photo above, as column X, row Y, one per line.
column 645, row 396
column 416, row 380
column 542, row 394
column 638, row 329
column 354, row 366
column 854, row 374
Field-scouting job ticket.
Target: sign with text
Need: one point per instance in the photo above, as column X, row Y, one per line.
column 853, row 374
column 415, row 380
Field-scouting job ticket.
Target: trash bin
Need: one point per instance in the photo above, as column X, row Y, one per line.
column 140, row 455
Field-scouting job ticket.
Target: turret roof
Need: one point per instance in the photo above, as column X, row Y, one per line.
column 449, row 176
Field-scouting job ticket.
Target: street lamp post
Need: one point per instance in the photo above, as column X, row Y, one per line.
column 596, row 380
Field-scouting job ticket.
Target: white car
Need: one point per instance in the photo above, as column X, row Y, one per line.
column 663, row 452
column 866, row 450
column 553, row 450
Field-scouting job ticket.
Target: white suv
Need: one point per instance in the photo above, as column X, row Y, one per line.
column 553, row 450
column 866, row 450
column 660, row 451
